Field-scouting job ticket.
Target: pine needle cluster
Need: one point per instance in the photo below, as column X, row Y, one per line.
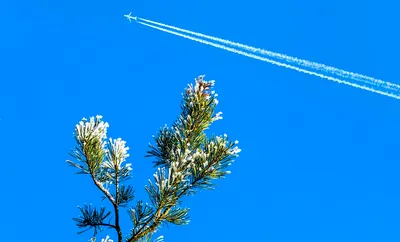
column 185, row 158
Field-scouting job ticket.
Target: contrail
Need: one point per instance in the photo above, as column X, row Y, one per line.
column 304, row 63
column 240, row 52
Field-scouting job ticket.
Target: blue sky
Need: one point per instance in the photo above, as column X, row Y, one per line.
column 319, row 160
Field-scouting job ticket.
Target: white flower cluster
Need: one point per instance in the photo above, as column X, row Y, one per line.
column 94, row 128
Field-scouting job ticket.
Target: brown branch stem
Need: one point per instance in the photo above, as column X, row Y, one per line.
column 113, row 202
column 116, row 208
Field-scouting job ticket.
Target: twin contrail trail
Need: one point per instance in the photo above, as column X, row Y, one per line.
column 312, row 68
column 297, row 61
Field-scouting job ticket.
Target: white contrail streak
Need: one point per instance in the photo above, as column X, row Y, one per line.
column 305, row 63
column 272, row 61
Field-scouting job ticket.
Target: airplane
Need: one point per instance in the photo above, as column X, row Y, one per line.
column 129, row 17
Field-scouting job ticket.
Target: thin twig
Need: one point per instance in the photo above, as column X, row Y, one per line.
column 116, row 209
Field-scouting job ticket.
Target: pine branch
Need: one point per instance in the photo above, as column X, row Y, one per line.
column 186, row 158
column 116, row 208
column 191, row 159
column 92, row 218
column 103, row 164
column 113, row 202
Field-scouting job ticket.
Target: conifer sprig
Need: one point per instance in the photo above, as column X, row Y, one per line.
column 187, row 161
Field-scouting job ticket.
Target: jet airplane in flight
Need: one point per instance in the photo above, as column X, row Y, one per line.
column 130, row 17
